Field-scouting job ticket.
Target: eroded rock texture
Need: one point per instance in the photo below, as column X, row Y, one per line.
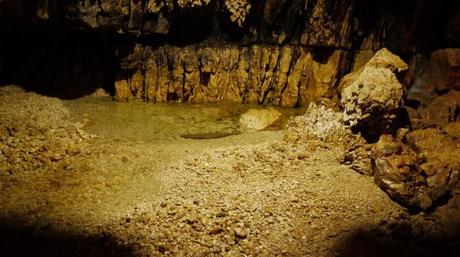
column 257, row 120
column 286, row 76
column 419, row 168
column 372, row 97
column 326, row 39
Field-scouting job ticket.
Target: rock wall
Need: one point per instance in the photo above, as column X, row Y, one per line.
column 283, row 52
column 286, row 76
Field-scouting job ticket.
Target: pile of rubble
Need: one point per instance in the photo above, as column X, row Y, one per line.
column 36, row 133
column 416, row 156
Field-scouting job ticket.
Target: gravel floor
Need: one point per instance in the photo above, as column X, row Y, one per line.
column 65, row 192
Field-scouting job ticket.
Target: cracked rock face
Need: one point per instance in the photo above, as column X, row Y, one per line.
column 284, row 76
column 420, row 168
column 372, row 96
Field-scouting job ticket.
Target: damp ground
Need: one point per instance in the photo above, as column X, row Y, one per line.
column 140, row 185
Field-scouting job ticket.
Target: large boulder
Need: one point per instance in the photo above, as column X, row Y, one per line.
column 256, row 120
column 420, row 167
column 372, row 97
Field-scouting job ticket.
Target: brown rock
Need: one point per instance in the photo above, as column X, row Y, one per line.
column 442, row 73
column 256, row 120
column 286, row 76
column 441, row 111
column 453, row 130
column 372, row 97
column 420, row 172
column 122, row 91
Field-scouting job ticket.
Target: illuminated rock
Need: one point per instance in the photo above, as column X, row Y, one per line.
column 372, row 97
column 256, row 120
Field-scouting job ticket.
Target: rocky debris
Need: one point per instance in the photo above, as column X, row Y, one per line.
column 439, row 74
column 372, row 97
column 323, row 127
column 275, row 199
column 35, row 133
column 318, row 124
column 420, row 171
column 261, row 119
column 267, row 200
column 286, row 76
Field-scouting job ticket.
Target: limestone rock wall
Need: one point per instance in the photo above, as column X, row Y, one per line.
column 284, row 52
column 287, row 76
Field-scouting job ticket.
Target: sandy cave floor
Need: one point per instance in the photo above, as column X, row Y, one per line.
column 125, row 194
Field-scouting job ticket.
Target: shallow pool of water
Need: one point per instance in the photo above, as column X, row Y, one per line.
column 141, row 121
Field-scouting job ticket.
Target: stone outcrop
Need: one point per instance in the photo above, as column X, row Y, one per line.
column 80, row 44
column 261, row 119
column 372, row 96
column 285, row 76
column 421, row 171
column 310, row 23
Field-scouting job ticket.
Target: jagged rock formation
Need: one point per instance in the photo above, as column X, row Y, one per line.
column 324, row 127
column 372, row 97
column 350, row 30
column 417, row 165
column 286, row 76
column 421, row 171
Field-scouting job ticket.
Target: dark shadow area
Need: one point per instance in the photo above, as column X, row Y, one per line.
column 433, row 234
column 57, row 62
column 372, row 243
column 191, row 25
column 20, row 241
column 322, row 54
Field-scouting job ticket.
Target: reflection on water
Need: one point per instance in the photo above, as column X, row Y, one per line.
column 141, row 121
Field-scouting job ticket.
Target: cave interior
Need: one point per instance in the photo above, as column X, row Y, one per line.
column 230, row 128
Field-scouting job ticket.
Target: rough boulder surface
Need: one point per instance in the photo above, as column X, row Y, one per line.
column 257, row 120
column 322, row 127
column 421, row 171
column 318, row 124
column 372, row 97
